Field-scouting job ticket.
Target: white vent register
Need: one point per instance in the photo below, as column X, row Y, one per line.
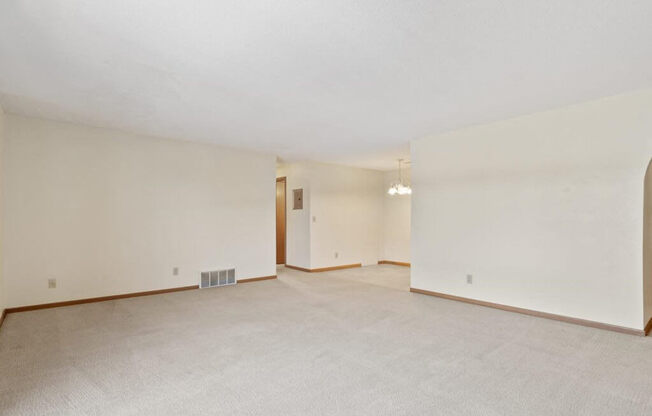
column 216, row 278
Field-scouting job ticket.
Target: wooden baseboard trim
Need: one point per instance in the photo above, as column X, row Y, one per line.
column 301, row 269
column 114, row 297
column 648, row 327
column 256, row 279
column 562, row 318
column 98, row 299
column 328, row 269
column 324, row 269
column 2, row 316
column 395, row 263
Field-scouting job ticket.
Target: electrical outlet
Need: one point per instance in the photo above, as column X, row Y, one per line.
column 175, row 271
column 469, row 279
column 337, row 254
column 52, row 283
column 314, row 219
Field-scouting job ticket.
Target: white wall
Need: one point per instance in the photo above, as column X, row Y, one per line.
column 343, row 208
column 546, row 210
column 396, row 221
column 105, row 212
column 346, row 211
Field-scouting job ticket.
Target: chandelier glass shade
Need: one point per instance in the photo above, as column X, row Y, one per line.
column 399, row 187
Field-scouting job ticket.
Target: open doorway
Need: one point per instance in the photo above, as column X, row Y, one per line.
column 348, row 219
column 397, row 208
column 280, row 220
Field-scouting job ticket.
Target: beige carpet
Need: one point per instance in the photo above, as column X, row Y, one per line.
column 337, row 343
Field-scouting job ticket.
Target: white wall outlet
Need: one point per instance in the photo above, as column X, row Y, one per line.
column 314, row 219
column 337, row 254
column 469, row 279
column 175, row 271
column 52, row 283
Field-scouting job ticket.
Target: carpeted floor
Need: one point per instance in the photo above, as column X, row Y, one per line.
column 351, row 342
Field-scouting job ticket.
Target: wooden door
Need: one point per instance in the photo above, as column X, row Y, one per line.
column 280, row 220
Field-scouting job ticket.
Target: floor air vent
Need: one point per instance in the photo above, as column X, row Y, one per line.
column 216, row 278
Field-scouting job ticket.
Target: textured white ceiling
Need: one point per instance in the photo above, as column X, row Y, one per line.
column 335, row 81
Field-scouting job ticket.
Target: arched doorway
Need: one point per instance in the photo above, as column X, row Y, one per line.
column 647, row 249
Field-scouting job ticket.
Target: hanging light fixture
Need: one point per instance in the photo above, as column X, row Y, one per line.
column 398, row 187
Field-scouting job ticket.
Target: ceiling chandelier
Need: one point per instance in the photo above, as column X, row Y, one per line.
column 398, row 187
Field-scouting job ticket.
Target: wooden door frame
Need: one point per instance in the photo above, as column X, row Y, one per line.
column 285, row 214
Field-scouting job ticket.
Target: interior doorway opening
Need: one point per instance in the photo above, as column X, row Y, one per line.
column 647, row 249
column 281, row 217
